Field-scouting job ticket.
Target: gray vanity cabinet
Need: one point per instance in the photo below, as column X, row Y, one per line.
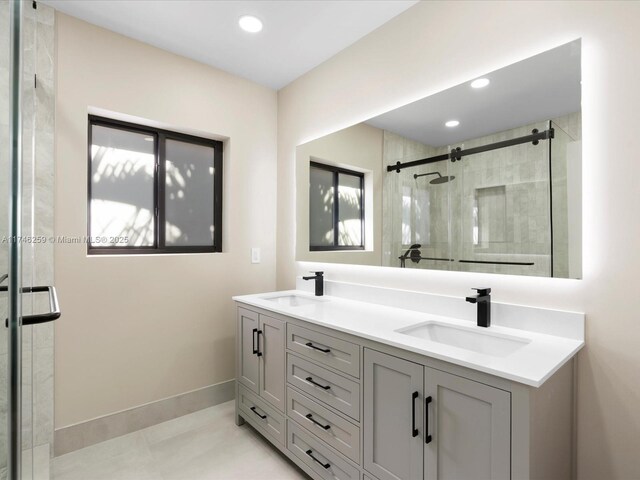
column 470, row 425
column 343, row 407
column 393, row 408
column 261, row 359
column 467, row 435
column 248, row 362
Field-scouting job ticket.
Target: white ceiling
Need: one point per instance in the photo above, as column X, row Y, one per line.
column 539, row 88
column 297, row 36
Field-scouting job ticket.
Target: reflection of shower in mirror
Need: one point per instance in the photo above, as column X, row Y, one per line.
column 435, row 181
column 501, row 191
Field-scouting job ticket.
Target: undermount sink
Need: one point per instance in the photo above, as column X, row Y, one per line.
column 292, row 300
column 468, row 338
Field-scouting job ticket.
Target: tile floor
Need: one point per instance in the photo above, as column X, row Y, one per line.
column 201, row 446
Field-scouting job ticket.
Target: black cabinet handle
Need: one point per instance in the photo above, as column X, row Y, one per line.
column 310, row 417
column 310, row 380
column 310, row 453
column 253, row 409
column 414, row 430
column 427, row 437
column 323, row 350
column 253, row 339
column 258, row 352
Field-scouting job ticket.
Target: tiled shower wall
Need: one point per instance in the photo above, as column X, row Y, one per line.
column 37, row 221
column 495, row 209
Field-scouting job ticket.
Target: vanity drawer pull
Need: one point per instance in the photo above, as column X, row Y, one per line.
column 323, row 350
column 253, row 339
column 258, row 352
column 310, row 453
column 414, row 430
column 310, row 417
column 318, row 420
column 253, row 409
column 325, row 387
column 270, row 421
column 427, row 437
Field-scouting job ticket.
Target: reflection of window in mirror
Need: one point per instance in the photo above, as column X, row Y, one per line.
column 336, row 212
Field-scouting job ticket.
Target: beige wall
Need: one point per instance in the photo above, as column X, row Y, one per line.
column 140, row 328
column 358, row 148
column 419, row 53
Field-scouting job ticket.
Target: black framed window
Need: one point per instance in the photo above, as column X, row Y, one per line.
column 152, row 190
column 336, row 208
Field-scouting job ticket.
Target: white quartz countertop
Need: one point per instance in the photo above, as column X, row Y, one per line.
column 531, row 364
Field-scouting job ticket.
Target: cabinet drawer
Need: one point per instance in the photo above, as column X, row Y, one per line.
column 260, row 415
column 327, row 464
column 322, row 422
column 321, row 384
column 331, row 351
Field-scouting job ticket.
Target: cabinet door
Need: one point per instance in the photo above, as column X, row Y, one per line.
column 248, row 372
column 393, row 406
column 272, row 361
column 470, row 424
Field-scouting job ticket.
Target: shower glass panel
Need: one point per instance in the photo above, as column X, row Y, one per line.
column 417, row 203
column 566, row 196
column 4, row 225
column 26, row 140
column 503, row 206
column 490, row 210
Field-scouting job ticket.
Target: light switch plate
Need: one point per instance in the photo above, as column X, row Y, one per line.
column 255, row 255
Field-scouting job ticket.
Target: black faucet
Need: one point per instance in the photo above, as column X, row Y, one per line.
column 483, row 299
column 319, row 278
column 412, row 253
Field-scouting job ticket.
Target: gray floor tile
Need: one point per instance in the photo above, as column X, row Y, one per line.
column 205, row 445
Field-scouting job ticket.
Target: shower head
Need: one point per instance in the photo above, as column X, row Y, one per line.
column 441, row 179
column 436, row 181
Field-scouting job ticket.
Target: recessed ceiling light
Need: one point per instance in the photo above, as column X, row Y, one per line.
column 452, row 123
column 480, row 83
column 250, row 24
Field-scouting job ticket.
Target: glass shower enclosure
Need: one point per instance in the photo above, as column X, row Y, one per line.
column 28, row 300
column 511, row 204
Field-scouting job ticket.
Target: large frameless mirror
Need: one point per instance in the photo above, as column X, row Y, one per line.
column 482, row 177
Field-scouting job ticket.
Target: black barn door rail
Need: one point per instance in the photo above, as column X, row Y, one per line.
column 457, row 153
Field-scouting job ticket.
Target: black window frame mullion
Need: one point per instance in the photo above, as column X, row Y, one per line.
column 159, row 181
column 218, row 195
column 362, row 210
column 161, row 169
column 336, row 208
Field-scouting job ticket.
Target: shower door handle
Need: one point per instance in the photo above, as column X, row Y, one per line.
column 54, row 308
column 35, row 319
